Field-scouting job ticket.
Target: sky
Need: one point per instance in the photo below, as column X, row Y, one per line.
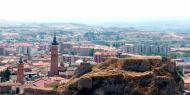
column 92, row 10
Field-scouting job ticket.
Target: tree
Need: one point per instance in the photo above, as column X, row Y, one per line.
column 117, row 38
column 5, row 74
column 72, row 52
column 186, row 55
column 174, row 55
column 91, row 53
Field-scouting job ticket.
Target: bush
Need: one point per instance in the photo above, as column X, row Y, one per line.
column 55, row 86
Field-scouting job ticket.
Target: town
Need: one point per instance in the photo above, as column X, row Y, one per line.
column 44, row 60
column 94, row 47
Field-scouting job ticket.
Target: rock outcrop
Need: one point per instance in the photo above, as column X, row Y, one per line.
column 83, row 68
column 135, row 76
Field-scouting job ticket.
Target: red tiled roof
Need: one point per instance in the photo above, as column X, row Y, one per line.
column 22, row 44
column 3, row 44
column 42, row 82
column 40, row 63
column 106, row 53
column 186, row 80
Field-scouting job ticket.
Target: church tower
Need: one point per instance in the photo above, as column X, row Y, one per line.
column 54, row 57
column 20, row 71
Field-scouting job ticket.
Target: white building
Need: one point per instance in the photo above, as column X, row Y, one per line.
column 145, row 49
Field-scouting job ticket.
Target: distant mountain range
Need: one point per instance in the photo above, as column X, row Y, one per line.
column 164, row 25
column 170, row 25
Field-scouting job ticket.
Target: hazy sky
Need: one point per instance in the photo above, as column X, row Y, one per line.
column 97, row 10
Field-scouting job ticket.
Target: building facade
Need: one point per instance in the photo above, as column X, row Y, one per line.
column 2, row 51
column 147, row 49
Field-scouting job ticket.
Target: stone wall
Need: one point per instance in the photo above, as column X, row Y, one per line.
column 5, row 89
column 35, row 91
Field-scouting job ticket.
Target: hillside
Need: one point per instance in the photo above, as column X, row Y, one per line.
column 134, row 76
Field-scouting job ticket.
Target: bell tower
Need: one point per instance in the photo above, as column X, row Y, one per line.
column 54, row 57
column 20, row 72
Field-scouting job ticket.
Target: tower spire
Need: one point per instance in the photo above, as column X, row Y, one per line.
column 20, row 60
column 54, row 40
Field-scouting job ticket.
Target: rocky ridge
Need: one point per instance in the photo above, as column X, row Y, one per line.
column 131, row 76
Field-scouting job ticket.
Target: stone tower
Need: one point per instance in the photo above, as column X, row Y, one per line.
column 20, row 72
column 54, row 57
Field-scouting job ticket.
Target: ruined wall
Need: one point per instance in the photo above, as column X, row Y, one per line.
column 83, row 68
column 35, row 91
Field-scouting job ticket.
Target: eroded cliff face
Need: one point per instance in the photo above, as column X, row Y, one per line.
column 127, row 77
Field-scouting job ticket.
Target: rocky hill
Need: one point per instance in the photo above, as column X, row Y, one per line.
column 133, row 76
